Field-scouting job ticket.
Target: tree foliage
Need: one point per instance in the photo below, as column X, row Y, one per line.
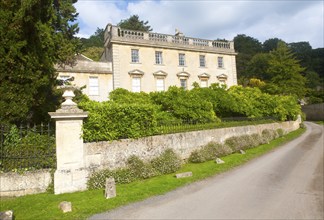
column 134, row 23
column 34, row 35
column 285, row 72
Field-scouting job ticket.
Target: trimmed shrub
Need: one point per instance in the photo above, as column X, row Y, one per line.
column 98, row 179
column 209, row 152
column 167, row 162
column 268, row 135
column 280, row 132
column 140, row 169
column 111, row 121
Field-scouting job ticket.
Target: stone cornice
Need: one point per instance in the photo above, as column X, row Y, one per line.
column 169, row 45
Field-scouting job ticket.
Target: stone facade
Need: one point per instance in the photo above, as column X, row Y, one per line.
column 87, row 72
column 146, row 61
column 153, row 59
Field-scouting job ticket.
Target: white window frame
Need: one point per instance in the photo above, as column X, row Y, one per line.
column 202, row 81
column 160, row 88
column 202, row 60
column 182, row 59
column 93, row 86
column 134, row 55
column 185, row 85
column 220, row 62
column 158, row 57
column 136, row 87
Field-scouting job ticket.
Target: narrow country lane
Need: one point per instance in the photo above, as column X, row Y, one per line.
column 286, row 183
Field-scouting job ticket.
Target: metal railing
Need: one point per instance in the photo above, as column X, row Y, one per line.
column 27, row 147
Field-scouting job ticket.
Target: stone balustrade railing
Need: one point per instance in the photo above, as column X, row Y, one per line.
column 115, row 31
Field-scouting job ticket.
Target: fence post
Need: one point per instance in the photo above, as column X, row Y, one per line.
column 70, row 174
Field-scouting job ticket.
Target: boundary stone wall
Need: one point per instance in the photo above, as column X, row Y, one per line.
column 101, row 155
column 112, row 155
column 314, row 112
column 30, row 182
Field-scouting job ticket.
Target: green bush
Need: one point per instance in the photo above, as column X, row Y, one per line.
column 167, row 162
column 268, row 135
column 136, row 169
column 29, row 150
column 209, row 152
column 140, row 169
column 98, row 179
column 244, row 142
column 111, row 121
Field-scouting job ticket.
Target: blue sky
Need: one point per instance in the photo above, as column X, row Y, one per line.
column 291, row 20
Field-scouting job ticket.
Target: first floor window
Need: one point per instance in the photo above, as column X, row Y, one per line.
column 158, row 57
column 93, row 86
column 220, row 62
column 182, row 59
column 183, row 83
column 159, row 84
column 135, row 56
column 202, row 61
column 136, row 84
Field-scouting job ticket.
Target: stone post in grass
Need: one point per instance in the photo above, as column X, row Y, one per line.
column 70, row 175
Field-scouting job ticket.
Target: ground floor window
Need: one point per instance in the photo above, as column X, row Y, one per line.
column 93, row 86
column 204, row 83
column 160, row 84
column 136, row 84
column 183, row 83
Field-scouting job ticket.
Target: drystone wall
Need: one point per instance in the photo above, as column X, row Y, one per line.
column 15, row 184
column 101, row 155
column 314, row 112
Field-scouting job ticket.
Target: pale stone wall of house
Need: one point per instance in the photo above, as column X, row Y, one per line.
column 82, row 79
column 121, row 69
column 114, row 154
column 30, row 182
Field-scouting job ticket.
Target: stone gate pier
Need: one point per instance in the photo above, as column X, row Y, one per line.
column 70, row 174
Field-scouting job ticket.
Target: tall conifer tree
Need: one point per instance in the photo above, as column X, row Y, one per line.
column 34, row 35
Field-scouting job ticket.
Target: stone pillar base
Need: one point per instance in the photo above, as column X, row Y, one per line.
column 67, row 181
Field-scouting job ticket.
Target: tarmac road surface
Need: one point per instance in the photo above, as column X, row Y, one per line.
column 286, row 183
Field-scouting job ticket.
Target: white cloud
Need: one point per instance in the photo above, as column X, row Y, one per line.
column 290, row 20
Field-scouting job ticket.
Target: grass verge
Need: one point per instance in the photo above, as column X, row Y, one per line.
column 87, row 203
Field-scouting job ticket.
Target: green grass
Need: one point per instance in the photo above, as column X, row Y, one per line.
column 319, row 122
column 87, row 203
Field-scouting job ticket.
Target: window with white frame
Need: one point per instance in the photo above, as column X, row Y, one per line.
column 158, row 57
column 136, row 84
column 93, row 85
column 182, row 59
column 135, row 55
column 183, row 83
column 202, row 61
column 220, row 62
column 203, row 83
column 64, row 77
column 160, row 84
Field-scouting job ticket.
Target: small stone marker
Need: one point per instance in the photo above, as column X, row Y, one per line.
column 6, row 215
column 219, row 161
column 183, row 175
column 110, row 191
column 242, row 151
column 65, row 206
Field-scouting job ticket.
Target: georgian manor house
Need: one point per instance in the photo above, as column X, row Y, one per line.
column 146, row 61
